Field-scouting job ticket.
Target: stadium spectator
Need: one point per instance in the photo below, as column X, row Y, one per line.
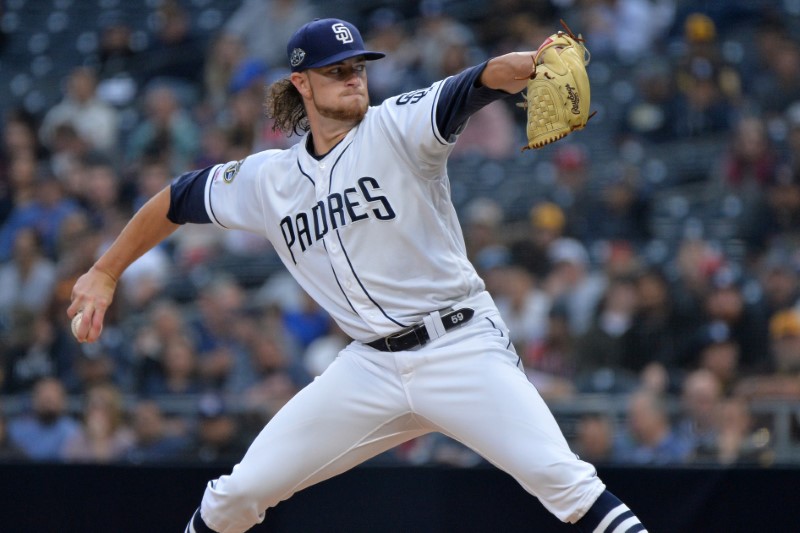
column 649, row 116
column 714, row 348
column 104, row 435
column 389, row 32
column 740, row 440
column 649, row 437
column 646, row 24
column 246, row 128
column 725, row 17
column 507, row 27
column 701, row 110
column 482, row 221
column 27, row 280
column 157, row 438
column 436, row 30
column 164, row 320
column 600, row 352
column 570, row 188
column 775, row 216
column 594, row 438
column 545, row 225
column 573, row 282
column 42, row 432
column 750, row 162
column 225, row 53
column 20, row 137
column 725, row 304
column 30, row 352
column 116, row 60
column 215, row 146
column 67, row 150
column 222, row 353
column 8, row 450
column 783, row 381
column 659, row 331
column 166, row 131
column 176, row 55
column 698, row 424
column 306, row 323
column 777, row 85
column 175, row 372
column 23, row 172
column 45, row 213
column 524, row 307
column 152, row 175
column 93, row 365
column 95, row 121
column 101, row 192
column 778, row 277
column 619, row 212
column 247, row 23
column 218, row 437
column 276, row 376
column 702, row 57
column 697, row 261
column 549, row 362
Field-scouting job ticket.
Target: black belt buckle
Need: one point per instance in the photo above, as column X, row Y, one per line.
column 417, row 335
column 387, row 340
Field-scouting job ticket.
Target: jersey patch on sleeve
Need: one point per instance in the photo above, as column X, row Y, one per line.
column 231, row 170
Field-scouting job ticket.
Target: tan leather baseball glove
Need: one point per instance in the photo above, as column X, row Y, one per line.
column 558, row 93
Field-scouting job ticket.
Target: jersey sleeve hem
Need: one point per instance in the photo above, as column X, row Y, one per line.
column 434, row 123
column 209, row 204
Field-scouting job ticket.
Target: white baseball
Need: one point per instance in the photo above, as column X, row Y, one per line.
column 76, row 320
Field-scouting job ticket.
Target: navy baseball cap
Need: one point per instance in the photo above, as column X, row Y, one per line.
column 324, row 42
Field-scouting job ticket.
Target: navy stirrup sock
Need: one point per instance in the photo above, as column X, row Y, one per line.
column 609, row 515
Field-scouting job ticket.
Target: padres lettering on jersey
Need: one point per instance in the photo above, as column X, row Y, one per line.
column 336, row 211
column 364, row 230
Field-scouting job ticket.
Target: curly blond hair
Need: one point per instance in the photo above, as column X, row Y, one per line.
column 284, row 105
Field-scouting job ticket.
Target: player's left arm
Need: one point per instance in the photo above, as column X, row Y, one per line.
column 467, row 92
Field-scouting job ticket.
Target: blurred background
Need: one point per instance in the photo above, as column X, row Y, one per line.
column 647, row 265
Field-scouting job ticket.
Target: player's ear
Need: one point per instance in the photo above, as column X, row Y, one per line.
column 301, row 83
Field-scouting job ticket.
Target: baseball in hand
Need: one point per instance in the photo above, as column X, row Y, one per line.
column 76, row 320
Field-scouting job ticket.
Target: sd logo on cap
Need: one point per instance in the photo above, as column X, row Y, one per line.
column 324, row 42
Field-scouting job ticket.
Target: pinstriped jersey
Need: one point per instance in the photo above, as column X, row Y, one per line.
column 368, row 230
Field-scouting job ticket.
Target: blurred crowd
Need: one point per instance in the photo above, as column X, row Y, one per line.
column 650, row 352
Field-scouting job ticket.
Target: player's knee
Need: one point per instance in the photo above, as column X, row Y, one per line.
column 232, row 504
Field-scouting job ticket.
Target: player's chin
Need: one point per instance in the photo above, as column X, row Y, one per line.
column 352, row 111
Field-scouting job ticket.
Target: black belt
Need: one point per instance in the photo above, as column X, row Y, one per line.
column 418, row 335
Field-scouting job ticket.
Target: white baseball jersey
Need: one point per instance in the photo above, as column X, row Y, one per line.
column 368, row 230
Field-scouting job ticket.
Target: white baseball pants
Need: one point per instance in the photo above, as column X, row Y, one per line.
column 467, row 384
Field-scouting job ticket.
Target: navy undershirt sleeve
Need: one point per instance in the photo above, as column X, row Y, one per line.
column 186, row 198
column 461, row 96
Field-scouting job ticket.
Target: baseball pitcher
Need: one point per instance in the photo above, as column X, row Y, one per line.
column 360, row 212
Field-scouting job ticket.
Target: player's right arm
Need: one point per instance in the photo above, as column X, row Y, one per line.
column 157, row 219
column 94, row 290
